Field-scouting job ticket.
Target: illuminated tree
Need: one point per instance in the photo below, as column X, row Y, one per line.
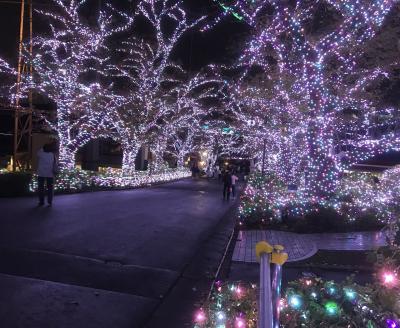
column 69, row 64
column 318, row 107
column 161, row 99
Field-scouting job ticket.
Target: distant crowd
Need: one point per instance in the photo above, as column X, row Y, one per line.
column 229, row 176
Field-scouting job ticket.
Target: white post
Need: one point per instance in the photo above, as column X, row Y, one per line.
column 278, row 258
column 265, row 317
column 276, row 292
column 265, row 307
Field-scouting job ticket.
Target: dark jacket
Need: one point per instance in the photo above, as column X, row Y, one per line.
column 227, row 179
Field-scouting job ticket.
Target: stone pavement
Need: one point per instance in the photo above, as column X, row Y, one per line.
column 119, row 259
column 302, row 246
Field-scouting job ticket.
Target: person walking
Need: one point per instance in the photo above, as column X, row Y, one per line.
column 46, row 169
column 218, row 173
column 234, row 180
column 227, row 180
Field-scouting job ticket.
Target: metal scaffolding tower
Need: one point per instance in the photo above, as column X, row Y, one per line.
column 23, row 116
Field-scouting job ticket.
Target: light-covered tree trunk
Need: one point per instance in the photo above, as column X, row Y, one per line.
column 129, row 155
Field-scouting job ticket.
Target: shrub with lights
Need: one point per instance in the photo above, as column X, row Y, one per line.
column 80, row 180
column 309, row 302
column 313, row 302
column 360, row 197
column 231, row 305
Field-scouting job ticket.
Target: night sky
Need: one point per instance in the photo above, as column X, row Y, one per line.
column 194, row 51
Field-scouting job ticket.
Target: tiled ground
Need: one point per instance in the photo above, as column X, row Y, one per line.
column 302, row 246
column 297, row 246
column 355, row 241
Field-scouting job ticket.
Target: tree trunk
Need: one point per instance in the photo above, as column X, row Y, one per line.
column 181, row 161
column 66, row 157
column 321, row 172
column 129, row 159
column 158, row 159
column 66, row 152
column 157, row 163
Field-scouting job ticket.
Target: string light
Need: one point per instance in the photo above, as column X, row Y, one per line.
column 332, row 308
column 60, row 62
column 78, row 180
column 163, row 104
column 200, row 317
column 295, row 301
column 301, row 108
column 360, row 195
column 392, row 323
column 389, row 278
column 350, row 305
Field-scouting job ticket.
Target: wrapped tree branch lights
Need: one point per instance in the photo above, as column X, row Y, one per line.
column 62, row 62
column 163, row 99
column 310, row 103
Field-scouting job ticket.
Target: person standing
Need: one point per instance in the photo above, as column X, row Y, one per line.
column 46, row 169
column 234, row 180
column 227, row 180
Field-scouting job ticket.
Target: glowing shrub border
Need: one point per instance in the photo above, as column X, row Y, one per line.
column 80, row 180
column 308, row 302
column 230, row 305
column 322, row 303
column 359, row 195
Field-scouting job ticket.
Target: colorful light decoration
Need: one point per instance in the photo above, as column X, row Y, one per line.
column 242, row 10
column 60, row 60
column 221, row 317
column 390, row 323
column 389, row 278
column 350, row 294
column 227, row 310
column 297, row 110
column 164, row 107
column 78, row 180
column 331, row 308
column 296, row 107
column 164, row 104
column 200, row 317
column 295, row 301
column 240, row 323
column 359, row 194
column 331, row 288
column 350, row 305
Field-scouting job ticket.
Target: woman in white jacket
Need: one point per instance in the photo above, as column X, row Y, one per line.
column 47, row 163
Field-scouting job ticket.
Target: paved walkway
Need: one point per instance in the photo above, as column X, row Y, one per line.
column 302, row 246
column 107, row 259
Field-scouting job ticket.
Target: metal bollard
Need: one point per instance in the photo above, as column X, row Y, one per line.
column 265, row 316
column 277, row 260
